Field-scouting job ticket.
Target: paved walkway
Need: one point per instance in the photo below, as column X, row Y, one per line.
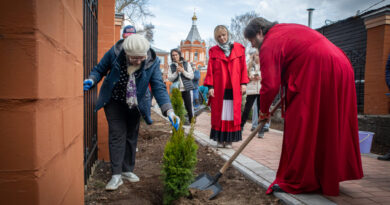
column 260, row 159
column 374, row 188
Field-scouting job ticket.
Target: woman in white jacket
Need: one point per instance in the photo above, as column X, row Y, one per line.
column 253, row 91
column 181, row 73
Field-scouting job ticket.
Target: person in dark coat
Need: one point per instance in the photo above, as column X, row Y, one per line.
column 129, row 66
column 195, row 81
column 386, row 157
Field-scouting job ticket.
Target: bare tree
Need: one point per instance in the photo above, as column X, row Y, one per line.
column 137, row 11
column 237, row 26
column 134, row 10
column 148, row 31
column 210, row 42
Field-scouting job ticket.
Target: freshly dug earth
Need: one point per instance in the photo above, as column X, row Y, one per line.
column 149, row 190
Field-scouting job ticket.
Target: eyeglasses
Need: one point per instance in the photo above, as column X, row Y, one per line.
column 136, row 58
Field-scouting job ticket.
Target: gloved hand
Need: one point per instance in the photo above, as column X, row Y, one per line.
column 174, row 119
column 264, row 116
column 88, row 83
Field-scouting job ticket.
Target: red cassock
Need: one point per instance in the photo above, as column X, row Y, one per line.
column 320, row 143
column 226, row 73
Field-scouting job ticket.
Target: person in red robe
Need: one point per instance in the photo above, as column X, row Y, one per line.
column 226, row 78
column 320, row 143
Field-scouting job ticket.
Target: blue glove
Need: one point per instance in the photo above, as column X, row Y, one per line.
column 175, row 120
column 88, row 83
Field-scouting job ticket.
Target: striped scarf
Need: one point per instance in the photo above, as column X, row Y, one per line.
column 226, row 47
column 131, row 88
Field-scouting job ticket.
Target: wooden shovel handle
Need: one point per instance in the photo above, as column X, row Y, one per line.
column 247, row 140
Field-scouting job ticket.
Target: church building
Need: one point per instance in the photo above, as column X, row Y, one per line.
column 193, row 48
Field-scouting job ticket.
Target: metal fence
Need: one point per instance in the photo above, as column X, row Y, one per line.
column 351, row 36
column 90, row 60
column 358, row 61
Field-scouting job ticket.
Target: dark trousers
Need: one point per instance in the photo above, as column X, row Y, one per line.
column 248, row 106
column 187, row 98
column 123, row 126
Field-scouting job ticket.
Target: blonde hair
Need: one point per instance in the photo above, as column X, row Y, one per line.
column 218, row 29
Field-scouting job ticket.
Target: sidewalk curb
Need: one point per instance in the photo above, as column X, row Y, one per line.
column 261, row 174
column 255, row 171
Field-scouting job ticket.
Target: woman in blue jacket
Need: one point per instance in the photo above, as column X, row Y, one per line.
column 129, row 66
column 386, row 157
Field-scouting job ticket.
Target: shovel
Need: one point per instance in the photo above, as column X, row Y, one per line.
column 207, row 182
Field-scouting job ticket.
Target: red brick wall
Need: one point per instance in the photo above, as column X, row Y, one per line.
column 191, row 50
column 106, row 39
column 118, row 27
column 106, row 27
column 202, row 77
column 378, row 49
column 41, row 102
column 168, row 84
column 117, row 34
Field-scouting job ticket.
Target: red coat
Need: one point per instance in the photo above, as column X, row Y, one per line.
column 221, row 69
column 320, row 143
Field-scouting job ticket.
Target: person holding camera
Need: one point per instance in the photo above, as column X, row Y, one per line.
column 252, row 90
column 181, row 73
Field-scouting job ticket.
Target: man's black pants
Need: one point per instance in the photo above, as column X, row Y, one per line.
column 250, row 99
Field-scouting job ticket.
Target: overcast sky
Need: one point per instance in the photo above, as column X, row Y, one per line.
column 173, row 17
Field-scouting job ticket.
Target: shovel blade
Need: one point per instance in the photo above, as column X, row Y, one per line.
column 207, row 182
column 202, row 181
column 216, row 188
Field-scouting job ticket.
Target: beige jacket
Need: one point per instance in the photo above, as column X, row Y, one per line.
column 253, row 87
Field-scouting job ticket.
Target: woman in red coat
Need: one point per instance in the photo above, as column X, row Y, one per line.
column 321, row 143
column 226, row 78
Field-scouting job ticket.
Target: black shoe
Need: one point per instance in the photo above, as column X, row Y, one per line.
column 276, row 188
column 266, row 129
column 385, row 157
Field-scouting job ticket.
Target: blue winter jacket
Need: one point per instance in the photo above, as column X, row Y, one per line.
column 149, row 73
column 196, row 78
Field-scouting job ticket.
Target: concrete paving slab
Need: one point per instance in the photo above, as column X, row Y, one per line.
column 260, row 160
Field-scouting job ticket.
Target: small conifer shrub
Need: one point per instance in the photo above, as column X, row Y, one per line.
column 177, row 103
column 179, row 160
